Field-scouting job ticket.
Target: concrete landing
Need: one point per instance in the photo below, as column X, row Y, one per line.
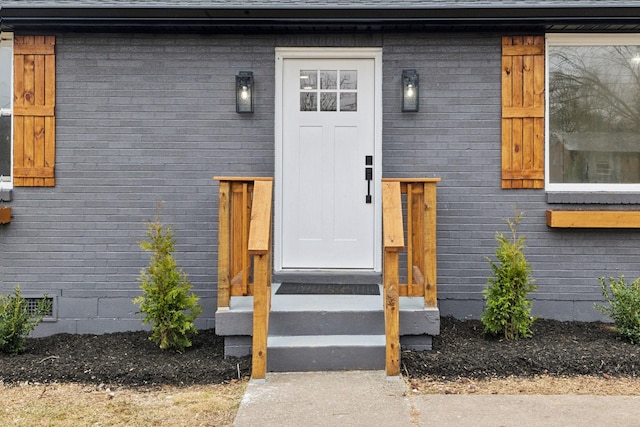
column 368, row 398
column 346, row 398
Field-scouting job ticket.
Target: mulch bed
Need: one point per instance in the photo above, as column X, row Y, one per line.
column 122, row 358
column 130, row 359
column 556, row 348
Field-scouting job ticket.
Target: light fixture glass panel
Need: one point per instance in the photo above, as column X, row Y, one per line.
column 308, row 79
column 328, row 101
column 348, row 80
column 308, row 101
column 410, row 91
column 348, row 101
column 328, row 79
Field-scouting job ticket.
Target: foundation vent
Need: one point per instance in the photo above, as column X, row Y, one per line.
column 32, row 305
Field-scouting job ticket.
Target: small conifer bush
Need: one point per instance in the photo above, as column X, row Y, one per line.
column 16, row 322
column 507, row 307
column 167, row 302
column 623, row 306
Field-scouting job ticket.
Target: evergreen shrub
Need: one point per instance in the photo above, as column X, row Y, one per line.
column 623, row 306
column 167, row 302
column 507, row 307
column 16, row 322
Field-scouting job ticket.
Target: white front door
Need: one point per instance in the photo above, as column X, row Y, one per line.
column 328, row 167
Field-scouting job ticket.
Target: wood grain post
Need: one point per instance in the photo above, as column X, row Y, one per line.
column 430, row 258
column 391, row 313
column 393, row 240
column 224, row 244
column 259, row 246
column 261, row 299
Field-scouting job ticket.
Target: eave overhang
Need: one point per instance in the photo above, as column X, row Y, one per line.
column 131, row 19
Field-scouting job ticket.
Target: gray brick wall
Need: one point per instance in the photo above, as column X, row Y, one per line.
column 152, row 117
column 139, row 119
column 456, row 136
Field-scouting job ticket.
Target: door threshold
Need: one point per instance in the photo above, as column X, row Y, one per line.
column 338, row 277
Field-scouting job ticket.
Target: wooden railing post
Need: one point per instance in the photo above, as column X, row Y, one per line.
column 224, row 245
column 430, row 259
column 393, row 243
column 260, row 246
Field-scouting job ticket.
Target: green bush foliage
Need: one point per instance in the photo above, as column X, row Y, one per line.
column 507, row 307
column 624, row 306
column 16, row 322
column 167, row 302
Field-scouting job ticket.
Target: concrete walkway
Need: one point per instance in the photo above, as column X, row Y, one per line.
column 368, row 398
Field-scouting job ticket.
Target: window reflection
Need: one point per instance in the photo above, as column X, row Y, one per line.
column 328, row 79
column 337, row 90
column 308, row 79
column 308, row 101
column 594, row 114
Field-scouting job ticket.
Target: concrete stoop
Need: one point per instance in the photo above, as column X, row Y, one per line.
column 326, row 332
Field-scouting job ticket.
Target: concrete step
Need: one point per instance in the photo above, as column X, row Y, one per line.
column 326, row 315
column 323, row 322
column 325, row 353
column 325, row 332
column 311, row 332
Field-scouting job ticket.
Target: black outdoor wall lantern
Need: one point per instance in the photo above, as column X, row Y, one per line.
column 244, row 92
column 410, row 91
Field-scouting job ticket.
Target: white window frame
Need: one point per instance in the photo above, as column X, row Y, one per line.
column 6, row 183
column 582, row 40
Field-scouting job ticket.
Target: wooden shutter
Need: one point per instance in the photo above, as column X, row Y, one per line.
column 523, row 112
column 34, row 111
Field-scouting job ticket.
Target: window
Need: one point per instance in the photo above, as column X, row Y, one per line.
column 6, row 109
column 337, row 91
column 593, row 119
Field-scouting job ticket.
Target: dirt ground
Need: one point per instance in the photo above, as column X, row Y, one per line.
column 462, row 360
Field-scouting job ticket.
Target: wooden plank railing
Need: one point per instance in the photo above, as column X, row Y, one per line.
column 244, row 254
column 260, row 248
column 235, row 269
column 420, row 210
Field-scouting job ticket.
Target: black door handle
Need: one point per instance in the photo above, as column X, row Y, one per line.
column 368, row 176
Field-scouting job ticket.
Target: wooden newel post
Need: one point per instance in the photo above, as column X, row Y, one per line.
column 261, row 307
column 392, row 313
column 224, row 244
column 430, row 271
column 260, row 248
column 393, row 244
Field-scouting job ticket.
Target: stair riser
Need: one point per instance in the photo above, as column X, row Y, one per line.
column 326, row 323
column 305, row 359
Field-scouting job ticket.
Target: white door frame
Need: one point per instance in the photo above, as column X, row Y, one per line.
column 283, row 53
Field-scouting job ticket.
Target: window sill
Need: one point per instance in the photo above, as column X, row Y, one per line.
column 604, row 198
column 593, row 219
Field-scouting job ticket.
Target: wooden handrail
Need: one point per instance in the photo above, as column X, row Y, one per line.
column 393, row 242
column 260, row 247
column 260, row 227
column 244, row 244
column 234, row 216
column 420, row 209
column 392, row 216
